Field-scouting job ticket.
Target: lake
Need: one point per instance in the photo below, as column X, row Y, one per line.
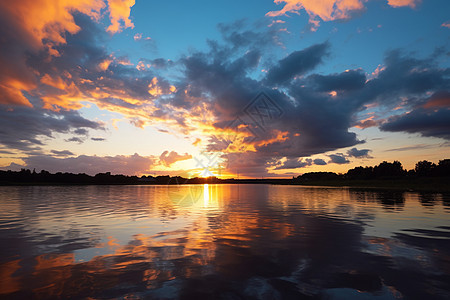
column 223, row 242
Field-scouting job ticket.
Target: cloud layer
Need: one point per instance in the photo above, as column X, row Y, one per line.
column 271, row 120
column 119, row 164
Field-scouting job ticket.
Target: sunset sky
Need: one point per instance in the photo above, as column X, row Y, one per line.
column 197, row 88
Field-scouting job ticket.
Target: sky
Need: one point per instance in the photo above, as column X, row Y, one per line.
column 244, row 89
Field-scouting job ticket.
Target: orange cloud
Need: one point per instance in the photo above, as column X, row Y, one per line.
column 119, row 12
column 104, row 65
column 279, row 136
column 69, row 98
column 366, row 123
column 440, row 99
column 50, row 19
column 44, row 19
column 329, row 10
column 153, row 88
column 168, row 158
column 400, row 3
column 11, row 91
column 31, row 22
column 55, row 82
column 43, row 24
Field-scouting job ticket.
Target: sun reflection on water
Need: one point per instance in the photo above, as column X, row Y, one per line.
column 150, row 237
column 205, row 195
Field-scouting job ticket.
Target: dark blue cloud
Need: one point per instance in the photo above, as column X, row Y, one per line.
column 24, row 127
column 345, row 81
column 362, row 153
column 294, row 163
column 62, row 153
column 432, row 123
column 319, row 162
column 338, row 158
column 297, row 63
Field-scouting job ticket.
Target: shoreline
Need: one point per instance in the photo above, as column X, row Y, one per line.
column 429, row 184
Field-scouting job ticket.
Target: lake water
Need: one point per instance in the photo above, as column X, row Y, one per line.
column 222, row 242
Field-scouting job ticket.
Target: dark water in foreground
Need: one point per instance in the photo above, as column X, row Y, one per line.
column 222, row 242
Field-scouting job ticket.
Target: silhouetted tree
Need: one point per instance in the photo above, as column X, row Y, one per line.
column 360, row 173
column 443, row 168
column 318, row 176
column 386, row 170
column 425, row 168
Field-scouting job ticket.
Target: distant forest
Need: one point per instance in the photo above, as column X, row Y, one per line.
column 385, row 171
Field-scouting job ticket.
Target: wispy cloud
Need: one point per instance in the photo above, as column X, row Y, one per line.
column 62, row 153
column 329, row 10
column 412, row 147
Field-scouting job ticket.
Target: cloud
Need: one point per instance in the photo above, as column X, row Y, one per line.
column 430, row 123
column 40, row 20
column 297, row 63
column 168, row 158
column 62, row 153
column 338, row 158
column 362, row 153
column 119, row 12
column 400, row 3
column 81, row 131
column 75, row 139
column 137, row 36
column 366, row 123
column 60, row 84
column 329, row 10
column 26, row 128
column 119, row 164
column 346, row 81
column 214, row 92
column 6, row 152
column 326, row 10
column 13, row 167
column 31, row 26
column 98, row 139
column 446, row 24
column 294, row 163
column 413, row 147
column 440, row 99
column 319, row 162
column 247, row 164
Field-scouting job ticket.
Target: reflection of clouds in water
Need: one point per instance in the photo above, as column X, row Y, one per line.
column 394, row 248
column 237, row 241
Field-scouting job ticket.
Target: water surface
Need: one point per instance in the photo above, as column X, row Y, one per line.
column 222, row 242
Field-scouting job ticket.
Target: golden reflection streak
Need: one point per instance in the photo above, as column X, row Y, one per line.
column 205, row 195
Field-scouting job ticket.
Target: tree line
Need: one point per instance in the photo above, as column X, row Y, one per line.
column 384, row 170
